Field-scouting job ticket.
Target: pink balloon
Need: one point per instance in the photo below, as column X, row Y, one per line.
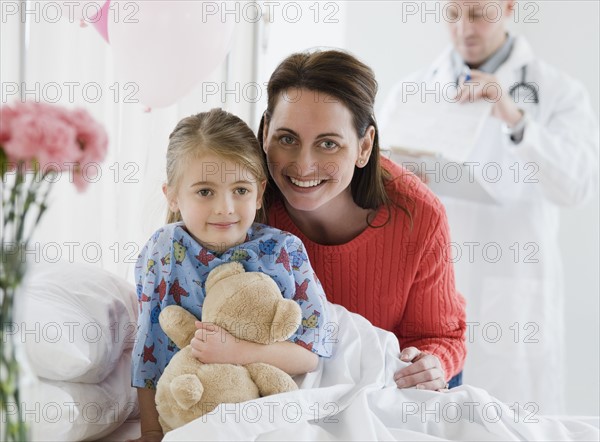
column 96, row 13
column 100, row 21
column 170, row 48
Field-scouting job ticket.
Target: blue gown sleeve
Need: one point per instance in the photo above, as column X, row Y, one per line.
column 152, row 347
column 315, row 332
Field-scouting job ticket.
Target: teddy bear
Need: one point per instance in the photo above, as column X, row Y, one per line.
column 248, row 305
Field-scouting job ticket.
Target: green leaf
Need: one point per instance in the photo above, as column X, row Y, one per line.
column 3, row 163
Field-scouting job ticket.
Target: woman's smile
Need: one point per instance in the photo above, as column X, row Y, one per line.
column 305, row 184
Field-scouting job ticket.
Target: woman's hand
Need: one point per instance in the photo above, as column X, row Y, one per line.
column 212, row 344
column 425, row 371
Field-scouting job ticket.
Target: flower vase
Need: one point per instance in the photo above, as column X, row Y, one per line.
column 19, row 382
column 38, row 141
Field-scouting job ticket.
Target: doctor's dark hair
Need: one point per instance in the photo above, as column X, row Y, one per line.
column 218, row 132
column 345, row 78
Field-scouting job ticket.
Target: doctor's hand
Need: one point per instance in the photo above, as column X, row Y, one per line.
column 484, row 86
column 425, row 372
column 212, row 344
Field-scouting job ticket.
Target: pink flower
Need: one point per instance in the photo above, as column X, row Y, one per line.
column 43, row 137
column 93, row 142
column 7, row 114
column 91, row 136
column 53, row 136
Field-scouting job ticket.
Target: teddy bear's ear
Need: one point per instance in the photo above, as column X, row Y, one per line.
column 286, row 320
column 221, row 272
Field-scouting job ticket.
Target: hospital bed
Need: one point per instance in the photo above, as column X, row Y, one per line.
column 84, row 393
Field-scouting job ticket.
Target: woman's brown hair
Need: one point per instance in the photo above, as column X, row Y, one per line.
column 342, row 76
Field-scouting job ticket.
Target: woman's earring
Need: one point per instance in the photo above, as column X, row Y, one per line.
column 361, row 161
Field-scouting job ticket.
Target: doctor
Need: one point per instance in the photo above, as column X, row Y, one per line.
column 542, row 141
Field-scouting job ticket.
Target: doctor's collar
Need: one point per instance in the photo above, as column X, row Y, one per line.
column 493, row 62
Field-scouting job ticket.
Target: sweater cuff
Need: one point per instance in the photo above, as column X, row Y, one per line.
column 452, row 364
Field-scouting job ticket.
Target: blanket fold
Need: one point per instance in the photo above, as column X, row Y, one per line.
column 352, row 396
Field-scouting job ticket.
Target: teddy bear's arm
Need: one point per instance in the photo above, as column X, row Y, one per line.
column 178, row 324
column 270, row 379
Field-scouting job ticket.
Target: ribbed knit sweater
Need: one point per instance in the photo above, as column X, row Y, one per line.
column 397, row 276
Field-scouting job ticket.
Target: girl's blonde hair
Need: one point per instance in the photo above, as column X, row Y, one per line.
column 221, row 133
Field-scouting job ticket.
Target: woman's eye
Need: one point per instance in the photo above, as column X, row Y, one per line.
column 286, row 139
column 329, row 145
column 242, row 191
column 204, row 192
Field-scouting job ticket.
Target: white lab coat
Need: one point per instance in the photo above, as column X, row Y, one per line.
column 518, row 296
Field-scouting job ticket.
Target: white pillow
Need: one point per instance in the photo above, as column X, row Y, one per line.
column 71, row 411
column 77, row 320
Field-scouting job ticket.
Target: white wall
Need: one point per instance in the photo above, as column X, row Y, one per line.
column 565, row 34
column 316, row 25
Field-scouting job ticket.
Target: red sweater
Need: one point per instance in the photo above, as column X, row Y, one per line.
column 399, row 278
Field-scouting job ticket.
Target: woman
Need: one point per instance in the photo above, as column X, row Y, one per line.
column 376, row 236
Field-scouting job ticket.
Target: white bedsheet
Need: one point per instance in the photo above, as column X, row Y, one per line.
column 352, row 396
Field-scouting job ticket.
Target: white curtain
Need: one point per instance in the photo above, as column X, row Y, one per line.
column 73, row 66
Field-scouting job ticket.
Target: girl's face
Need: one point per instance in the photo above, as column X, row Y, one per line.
column 218, row 200
column 312, row 148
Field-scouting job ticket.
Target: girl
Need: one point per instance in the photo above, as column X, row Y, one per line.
column 216, row 177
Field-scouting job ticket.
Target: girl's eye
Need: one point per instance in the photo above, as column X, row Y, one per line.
column 204, row 192
column 329, row 145
column 241, row 191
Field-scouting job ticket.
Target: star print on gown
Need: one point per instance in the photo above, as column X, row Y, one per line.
column 304, row 344
column 284, row 259
column 162, row 289
column 176, row 291
column 300, row 294
column 205, row 257
column 149, row 354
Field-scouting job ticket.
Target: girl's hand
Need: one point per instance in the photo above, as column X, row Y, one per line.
column 214, row 345
column 425, row 371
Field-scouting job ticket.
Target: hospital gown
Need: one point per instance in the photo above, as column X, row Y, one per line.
column 172, row 269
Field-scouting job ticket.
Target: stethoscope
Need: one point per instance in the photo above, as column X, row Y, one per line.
column 524, row 88
column 517, row 90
